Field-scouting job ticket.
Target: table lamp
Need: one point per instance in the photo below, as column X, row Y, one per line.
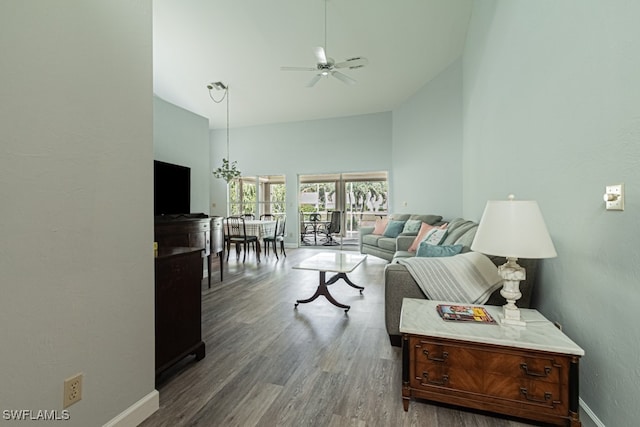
column 513, row 229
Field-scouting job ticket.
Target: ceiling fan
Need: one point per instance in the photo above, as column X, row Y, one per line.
column 326, row 66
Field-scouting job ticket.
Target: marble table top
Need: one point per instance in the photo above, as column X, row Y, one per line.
column 339, row 262
column 421, row 317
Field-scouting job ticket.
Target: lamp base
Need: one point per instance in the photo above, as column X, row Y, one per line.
column 512, row 317
column 511, row 274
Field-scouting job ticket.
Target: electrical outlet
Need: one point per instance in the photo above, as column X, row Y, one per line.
column 72, row 390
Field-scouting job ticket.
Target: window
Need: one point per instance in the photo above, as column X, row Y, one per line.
column 242, row 196
column 271, row 197
column 257, row 195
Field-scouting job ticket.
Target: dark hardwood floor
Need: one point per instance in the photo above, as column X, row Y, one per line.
column 269, row 364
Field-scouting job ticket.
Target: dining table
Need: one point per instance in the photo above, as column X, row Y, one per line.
column 259, row 228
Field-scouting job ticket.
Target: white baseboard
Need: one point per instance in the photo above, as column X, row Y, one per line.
column 592, row 416
column 138, row 412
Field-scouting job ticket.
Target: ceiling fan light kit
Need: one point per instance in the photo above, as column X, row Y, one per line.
column 326, row 66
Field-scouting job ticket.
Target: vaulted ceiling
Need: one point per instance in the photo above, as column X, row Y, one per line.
column 243, row 43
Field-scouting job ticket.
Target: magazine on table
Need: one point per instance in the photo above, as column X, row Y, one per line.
column 464, row 313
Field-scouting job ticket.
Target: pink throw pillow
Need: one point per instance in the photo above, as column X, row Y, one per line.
column 381, row 225
column 424, row 229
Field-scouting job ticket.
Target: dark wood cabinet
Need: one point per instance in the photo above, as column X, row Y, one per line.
column 193, row 230
column 178, row 302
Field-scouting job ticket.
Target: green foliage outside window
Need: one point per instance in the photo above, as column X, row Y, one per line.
column 243, row 197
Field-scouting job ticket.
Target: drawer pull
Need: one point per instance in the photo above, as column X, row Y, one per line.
column 525, row 368
column 436, row 359
column 547, row 396
column 427, row 381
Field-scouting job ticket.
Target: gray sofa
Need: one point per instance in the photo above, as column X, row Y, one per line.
column 399, row 283
column 386, row 247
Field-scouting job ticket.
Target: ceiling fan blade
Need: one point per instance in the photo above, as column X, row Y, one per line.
column 298, row 69
column 353, row 63
column 321, row 57
column 338, row 75
column 314, row 80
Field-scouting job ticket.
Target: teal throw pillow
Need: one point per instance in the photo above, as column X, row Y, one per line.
column 412, row 226
column 394, row 228
column 427, row 250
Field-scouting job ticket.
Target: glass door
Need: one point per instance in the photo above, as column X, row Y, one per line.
column 366, row 196
column 361, row 197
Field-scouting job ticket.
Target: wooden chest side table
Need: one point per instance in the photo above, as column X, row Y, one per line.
column 529, row 372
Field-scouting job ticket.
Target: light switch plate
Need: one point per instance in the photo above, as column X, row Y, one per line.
column 614, row 197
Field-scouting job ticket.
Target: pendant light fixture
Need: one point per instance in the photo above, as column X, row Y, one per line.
column 228, row 171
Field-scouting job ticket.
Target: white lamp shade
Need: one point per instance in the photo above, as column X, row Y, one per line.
column 513, row 228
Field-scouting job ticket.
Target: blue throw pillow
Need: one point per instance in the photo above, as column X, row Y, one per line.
column 394, row 228
column 427, row 250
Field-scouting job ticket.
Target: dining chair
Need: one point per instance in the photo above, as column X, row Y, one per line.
column 314, row 226
column 248, row 216
column 237, row 235
column 267, row 217
column 302, row 228
column 332, row 227
column 278, row 236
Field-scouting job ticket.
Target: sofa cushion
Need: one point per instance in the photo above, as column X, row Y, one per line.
column 429, row 219
column 426, row 250
column 460, row 229
column 387, row 243
column 371, row 239
column 399, row 217
column 467, row 238
column 394, row 228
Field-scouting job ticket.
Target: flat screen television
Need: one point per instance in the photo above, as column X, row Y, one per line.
column 171, row 189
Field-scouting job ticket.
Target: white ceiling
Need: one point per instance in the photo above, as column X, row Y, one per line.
column 243, row 43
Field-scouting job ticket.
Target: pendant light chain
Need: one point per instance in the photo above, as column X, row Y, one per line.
column 228, row 171
column 325, row 27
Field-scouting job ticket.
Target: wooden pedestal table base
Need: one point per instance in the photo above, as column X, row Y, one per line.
column 323, row 290
column 340, row 263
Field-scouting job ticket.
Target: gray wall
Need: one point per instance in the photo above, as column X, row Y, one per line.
column 182, row 137
column 552, row 113
column 347, row 144
column 427, row 148
column 76, row 263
